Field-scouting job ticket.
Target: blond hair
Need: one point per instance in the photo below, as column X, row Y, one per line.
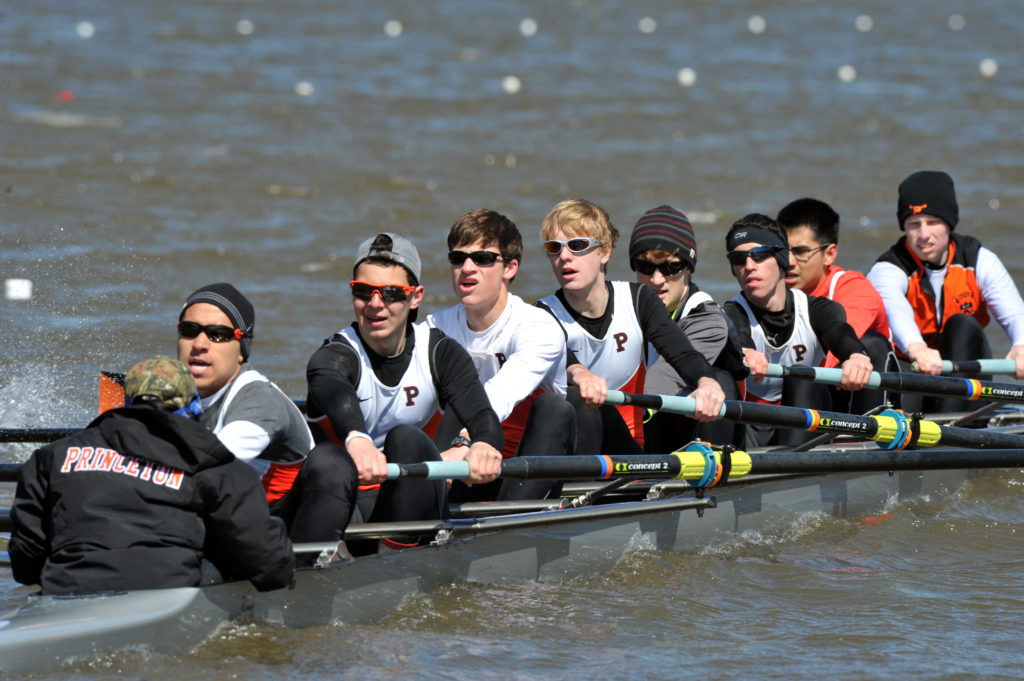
column 579, row 217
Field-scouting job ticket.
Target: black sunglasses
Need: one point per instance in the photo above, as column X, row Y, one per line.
column 667, row 268
column 759, row 254
column 218, row 333
column 479, row 258
column 577, row 246
column 388, row 293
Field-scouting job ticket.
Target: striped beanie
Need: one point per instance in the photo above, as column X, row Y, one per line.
column 666, row 228
column 232, row 303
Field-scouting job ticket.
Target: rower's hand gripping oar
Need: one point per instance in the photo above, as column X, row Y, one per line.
column 891, row 429
column 1005, row 367
column 924, row 384
column 698, row 464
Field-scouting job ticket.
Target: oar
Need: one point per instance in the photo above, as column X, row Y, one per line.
column 979, row 366
column 924, row 384
column 698, row 463
column 891, row 428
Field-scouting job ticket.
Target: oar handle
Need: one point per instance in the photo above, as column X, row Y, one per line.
column 827, row 376
column 687, row 406
column 1005, row 367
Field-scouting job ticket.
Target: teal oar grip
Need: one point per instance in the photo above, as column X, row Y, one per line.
column 675, row 404
column 982, row 366
column 827, row 376
column 430, row 470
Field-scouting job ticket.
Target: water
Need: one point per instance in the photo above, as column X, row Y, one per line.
column 185, row 153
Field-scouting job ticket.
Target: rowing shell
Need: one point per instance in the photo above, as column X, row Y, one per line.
column 545, row 545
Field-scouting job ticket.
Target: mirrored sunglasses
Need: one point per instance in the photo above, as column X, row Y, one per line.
column 218, row 333
column 389, row 293
column 759, row 254
column 577, row 245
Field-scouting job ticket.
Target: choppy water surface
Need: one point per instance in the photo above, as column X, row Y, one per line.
column 155, row 148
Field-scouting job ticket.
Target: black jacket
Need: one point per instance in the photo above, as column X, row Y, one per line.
column 133, row 502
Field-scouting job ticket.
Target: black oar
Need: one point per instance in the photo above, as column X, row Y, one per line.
column 924, row 384
column 891, row 428
column 698, row 463
column 978, row 366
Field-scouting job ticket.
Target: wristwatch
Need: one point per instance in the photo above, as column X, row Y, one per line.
column 461, row 441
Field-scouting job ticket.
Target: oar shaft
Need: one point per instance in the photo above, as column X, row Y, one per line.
column 689, row 465
column 903, row 382
column 882, row 460
column 881, row 428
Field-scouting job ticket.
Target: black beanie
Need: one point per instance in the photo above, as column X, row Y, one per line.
column 930, row 192
column 666, row 228
column 232, row 303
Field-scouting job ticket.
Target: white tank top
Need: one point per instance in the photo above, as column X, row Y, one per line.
column 412, row 402
column 620, row 354
column 802, row 346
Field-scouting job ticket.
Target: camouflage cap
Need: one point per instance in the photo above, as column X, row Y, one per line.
column 165, row 379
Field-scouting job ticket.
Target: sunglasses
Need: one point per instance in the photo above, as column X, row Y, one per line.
column 667, row 268
column 759, row 254
column 389, row 293
column 218, row 333
column 479, row 258
column 577, row 246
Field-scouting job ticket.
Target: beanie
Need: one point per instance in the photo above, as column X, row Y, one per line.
column 930, row 192
column 666, row 228
column 232, row 303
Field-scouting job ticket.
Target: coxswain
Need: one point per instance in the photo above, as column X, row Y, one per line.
column 608, row 326
column 375, row 385
column 140, row 497
column 940, row 287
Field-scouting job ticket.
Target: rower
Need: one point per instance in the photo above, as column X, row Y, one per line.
column 940, row 288
column 784, row 326
column 256, row 421
column 373, row 387
column 608, row 326
column 812, row 228
column 140, row 497
column 517, row 348
column 663, row 253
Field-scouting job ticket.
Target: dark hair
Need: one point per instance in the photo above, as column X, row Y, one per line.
column 490, row 227
column 815, row 214
column 384, row 243
column 760, row 221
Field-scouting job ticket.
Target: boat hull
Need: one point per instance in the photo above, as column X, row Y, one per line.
column 550, row 545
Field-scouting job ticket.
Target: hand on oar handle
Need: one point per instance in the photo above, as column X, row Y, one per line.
column 856, row 372
column 708, row 398
column 1016, row 353
column 593, row 388
column 484, row 463
column 757, row 362
column 370, row 461
column 928, row 361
